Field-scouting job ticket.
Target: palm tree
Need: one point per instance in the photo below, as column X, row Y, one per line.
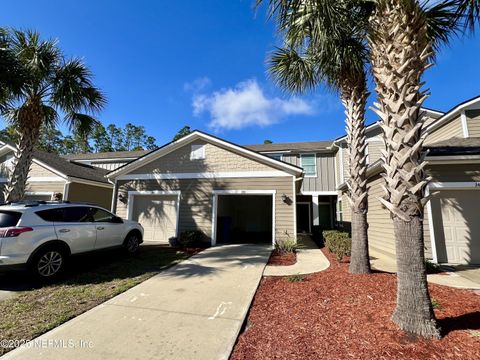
column 316, row 53
column 404, row 37
column 51, row 85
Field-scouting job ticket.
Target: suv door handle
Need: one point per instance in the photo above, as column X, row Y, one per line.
column 64, row 230
column 100, row 228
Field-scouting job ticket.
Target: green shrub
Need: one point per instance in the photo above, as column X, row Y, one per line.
column 296, row 278
column 436, row 304
column 338, row 243
column 431, row 267
column 193, row 238
column 286, row 246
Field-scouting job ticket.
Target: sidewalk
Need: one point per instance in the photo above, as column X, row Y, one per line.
column 310, row 259
column 462, row 279
column 193, row 310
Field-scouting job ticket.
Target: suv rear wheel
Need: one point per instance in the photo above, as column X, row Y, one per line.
column 48, row 263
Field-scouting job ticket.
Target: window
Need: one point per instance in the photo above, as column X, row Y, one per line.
column 9, row 218
column 308, row 163
column 51, row 215
column 100, row 215
column 198, row 152
column 276, row 156
column 339, row 213
column 66, row 214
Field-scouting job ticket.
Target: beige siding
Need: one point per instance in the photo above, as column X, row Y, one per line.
column 325, row 179
column 197, row 195
column 216, row 159
column 40, row 187
column 447, row 131
column 46, row 186
column 375, row 150
column 101, row 196
column 380, row 225
column 473, row 123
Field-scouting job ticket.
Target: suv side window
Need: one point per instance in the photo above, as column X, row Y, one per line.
column 76, row 214
column 67, row 214
column 100, row 215
column 51, row 215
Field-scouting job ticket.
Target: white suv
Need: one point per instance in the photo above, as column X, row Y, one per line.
column 42, row 235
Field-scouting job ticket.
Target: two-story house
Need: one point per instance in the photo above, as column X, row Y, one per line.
column 270, row 192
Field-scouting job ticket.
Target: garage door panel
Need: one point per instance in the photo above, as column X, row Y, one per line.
column 158, row 216
column 457, row 229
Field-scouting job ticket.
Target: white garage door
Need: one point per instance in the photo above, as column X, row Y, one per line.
column 457, row 226
column 158, row 216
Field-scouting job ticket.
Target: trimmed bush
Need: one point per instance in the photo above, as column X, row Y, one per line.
column 193, row 238
column 338, row 243
column 286, row 246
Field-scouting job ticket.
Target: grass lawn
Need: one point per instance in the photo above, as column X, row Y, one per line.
column 91, row 280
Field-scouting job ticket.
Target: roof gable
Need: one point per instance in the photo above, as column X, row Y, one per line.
column 169, row 148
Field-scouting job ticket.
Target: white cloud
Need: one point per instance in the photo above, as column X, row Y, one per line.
column 197, row 85
column 247, row 105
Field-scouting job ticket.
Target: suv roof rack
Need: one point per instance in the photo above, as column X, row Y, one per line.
column 32, row 203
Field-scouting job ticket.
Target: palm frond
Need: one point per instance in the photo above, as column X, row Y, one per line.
column 442, row 22
column 81, row 123
column 50, row 116
column 293, row 72
column 73, row 89
column 468, row 13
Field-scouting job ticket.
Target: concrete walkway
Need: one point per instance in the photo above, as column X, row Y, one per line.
column 468, row 278
column 193, row 310
column 310, row 259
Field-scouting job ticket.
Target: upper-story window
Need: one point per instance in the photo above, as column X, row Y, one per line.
column 197, row 152
column 309, row 164
column 276, row 156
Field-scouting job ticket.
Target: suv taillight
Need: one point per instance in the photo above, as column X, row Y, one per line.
column 14, row 231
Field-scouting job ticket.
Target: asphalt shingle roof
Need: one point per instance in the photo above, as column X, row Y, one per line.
column 108, row 155
column 71, row 168
column 296, row 146
column 455, row 146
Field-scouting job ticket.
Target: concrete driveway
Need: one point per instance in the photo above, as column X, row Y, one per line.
column 193, row 310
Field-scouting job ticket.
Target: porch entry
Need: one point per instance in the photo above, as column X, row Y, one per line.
column 315, row 212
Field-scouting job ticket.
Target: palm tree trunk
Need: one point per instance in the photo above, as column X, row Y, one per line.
column 30, row 119
column 354, row 98
column 400, row 51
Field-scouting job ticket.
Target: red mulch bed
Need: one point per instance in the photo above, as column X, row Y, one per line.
column 336, row 315
column 282, row 258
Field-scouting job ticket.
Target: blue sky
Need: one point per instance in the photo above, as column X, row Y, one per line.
column 165, row 64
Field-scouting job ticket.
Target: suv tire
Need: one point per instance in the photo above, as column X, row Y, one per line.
column 48, row 263
column 132, row 243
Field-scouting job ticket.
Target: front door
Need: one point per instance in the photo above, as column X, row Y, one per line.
column 303, row 218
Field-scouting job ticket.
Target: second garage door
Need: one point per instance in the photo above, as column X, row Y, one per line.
column 158, row 216
column 457, row 226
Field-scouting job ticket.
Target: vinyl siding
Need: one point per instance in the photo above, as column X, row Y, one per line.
column 473, row 122
column 375, row 150
column 107, row 165
column 216, row 159
column 52, row 187
column 447, row 131
column 380, row 229
column 197, row 195
column 325, row 179
column 100, row 196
